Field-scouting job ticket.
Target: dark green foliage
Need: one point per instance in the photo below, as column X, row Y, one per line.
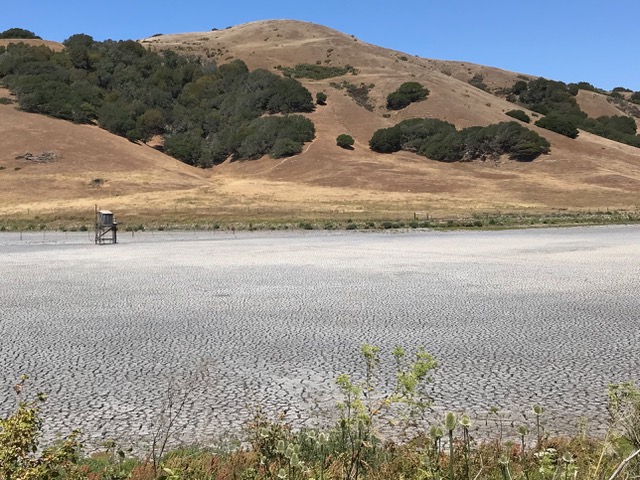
column 184, row 146
column 406, row 94
column 386, row 140
column 316, row 72
column 359, row 93
column 441, row 141
column 277, row 136
column 321, row 98
column 618, row 128
column 345, row 141
column 585, row 86
column 519, row 87
column 285, row 147
column 519, row 115
column 478, row 81
column 622, row 89
column 546, row 96
column 573, row 89
column 557, row 102
column 206, row 113
column 559, row 123
column 18, row 33
column 78, row 40
column 635, row 97
column 617, row 123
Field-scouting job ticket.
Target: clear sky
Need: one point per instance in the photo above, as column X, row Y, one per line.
column 595, row 41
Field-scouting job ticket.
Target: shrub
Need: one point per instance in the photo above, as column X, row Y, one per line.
column 316, row 72
column 573, row 89
column 544, row 96
column 441, row 141
column 359, row 93
column 519, row 115
column 386, row 140
column 406, row 94
column 20, row 454
column 321, row 98
column 18, row 33
column 560, row 124
column 345, row 141
column 618, row 128
column 519, row 87
column 635, row 97
column 478, row 81
column 285, row 147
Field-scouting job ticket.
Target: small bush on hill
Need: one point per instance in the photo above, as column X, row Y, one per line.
column 519, row 87
column 316, row 72
column 478, row 81
column 406, row 94
column 345, row 141
column 321, row 98
column 519, row 115
column 358, row 93
column 635, row 97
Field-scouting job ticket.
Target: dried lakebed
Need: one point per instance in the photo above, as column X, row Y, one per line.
column 514, row 318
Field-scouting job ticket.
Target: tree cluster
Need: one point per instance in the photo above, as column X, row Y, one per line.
column 206, row 113
column 441, row 140
column 405, row 95
column 18, row 33
column 556, row 100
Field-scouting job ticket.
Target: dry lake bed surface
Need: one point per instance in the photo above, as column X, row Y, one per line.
column 514, row 318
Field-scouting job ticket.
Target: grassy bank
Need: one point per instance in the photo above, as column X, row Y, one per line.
column 349, row 221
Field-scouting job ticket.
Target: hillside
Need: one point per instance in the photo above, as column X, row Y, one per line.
column 589, row 172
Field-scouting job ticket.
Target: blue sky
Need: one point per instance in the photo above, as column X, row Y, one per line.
column 596, row 42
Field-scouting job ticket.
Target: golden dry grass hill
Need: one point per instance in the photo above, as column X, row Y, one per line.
column 325, row 181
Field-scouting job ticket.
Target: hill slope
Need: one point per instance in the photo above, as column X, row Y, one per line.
column 323, row 181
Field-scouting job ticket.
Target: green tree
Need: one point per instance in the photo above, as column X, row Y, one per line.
column 345, row 141
column 321, row 98
column 560, row 124
column 150, row 123
column 406, row 94
column 285, row 147
column 519, row 87
column 18, row 33
column 386, row 140
column 184, row 146
column 519, row 115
